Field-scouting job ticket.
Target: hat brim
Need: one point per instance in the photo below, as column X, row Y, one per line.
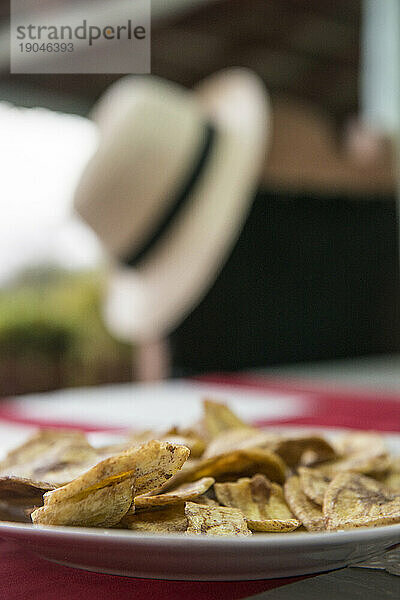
column 150, row 301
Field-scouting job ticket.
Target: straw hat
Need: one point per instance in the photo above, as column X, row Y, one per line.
column 168, row 191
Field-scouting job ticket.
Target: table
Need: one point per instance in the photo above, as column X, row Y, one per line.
column 376, row 372
column 24, row 576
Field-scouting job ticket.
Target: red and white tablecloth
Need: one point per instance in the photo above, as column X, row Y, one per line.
column 265, row 401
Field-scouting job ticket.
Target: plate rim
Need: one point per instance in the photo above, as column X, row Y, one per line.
column 306, row 538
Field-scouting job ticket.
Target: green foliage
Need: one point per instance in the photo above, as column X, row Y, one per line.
column 57, row 315
column 34, row 336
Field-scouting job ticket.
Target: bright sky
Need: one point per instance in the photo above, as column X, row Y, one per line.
column 42, row 154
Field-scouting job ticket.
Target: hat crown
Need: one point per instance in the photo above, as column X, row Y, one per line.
column 152, row 131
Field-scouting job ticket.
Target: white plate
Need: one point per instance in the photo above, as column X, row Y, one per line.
column 196, row 558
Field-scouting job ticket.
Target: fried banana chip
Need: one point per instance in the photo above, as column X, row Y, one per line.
column 392, row 481
column 392, row 477
column 257, row 498
column 293, row 449
column 174, row 435
column 112, row 449
column 309, row 458
column 261, row 502
column 230, row 466
column 102, row 496
column 207, row 499
column 354, row 500
column 215, row 520
column 304, row 509
column 38, row 444
column 15, row 514
column 170, row 519
column 195, row 445
column 366, row 463
column 183, row 493
column 218, row 418
column 355, row 442
column 23, row 492
column 314, row 484
column 188, row 438
column 240, row 439
column 103, row 507
column 54, row 456
column 273, row 525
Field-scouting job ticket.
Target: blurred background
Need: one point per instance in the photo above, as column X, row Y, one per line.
column 332, row 63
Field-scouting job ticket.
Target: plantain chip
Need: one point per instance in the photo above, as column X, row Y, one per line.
column 314, row 484
column 273, row 525
column 218, row 418
column 366, row 463
column 188, row 438
column 195, row 445
column 170, row 519
column 261, row 502
column 230, row 466
column 207, row 499
column 113, row 449
column 103, row 507
column 257, row 498
column 195, row 431
column 355, row 442
column 11, row 512
column 54, row 456
column 103, row 495
column 174, row 435
column 354, row 500
column 40, row 443
column 304, row 509
column 23, row 492
column 183, row 493
column 309, row 458
column 392, row 480
column 392, row 477
column 215, row 520
column 239, row 439
column 293, row 449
